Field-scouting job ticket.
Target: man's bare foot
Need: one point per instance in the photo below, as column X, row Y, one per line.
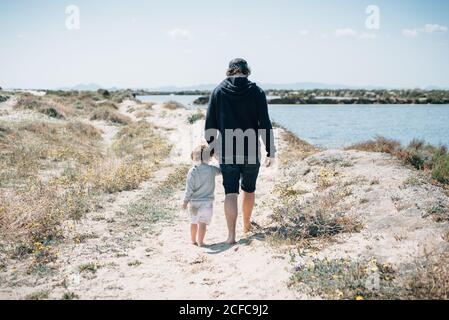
column 202, row 245
column 230, row 241
column 247, row 228
column 195, row 243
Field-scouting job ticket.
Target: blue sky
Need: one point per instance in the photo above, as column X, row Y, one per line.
column 156, row 43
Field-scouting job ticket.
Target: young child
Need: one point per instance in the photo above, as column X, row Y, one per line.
column 199, row 195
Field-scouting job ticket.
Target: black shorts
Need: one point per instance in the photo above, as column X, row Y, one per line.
column 234, row 174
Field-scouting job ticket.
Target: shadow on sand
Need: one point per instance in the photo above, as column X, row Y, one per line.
column 221, row 247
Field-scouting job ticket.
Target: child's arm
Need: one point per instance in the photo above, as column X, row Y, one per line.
column 189, row 189
column 216, row 169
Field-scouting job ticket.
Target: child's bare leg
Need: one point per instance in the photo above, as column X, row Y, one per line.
column 201, row 233
column 193, row 233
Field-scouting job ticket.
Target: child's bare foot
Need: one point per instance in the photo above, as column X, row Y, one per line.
column 195, row 243
column 202, row 245
column 230, row 241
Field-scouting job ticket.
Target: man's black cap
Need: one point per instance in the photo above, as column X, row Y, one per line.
column 238, row 63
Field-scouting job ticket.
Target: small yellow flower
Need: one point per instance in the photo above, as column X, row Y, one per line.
column 359, row 298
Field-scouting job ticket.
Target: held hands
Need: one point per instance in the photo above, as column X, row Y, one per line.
column 269, row 162
column 184, row 205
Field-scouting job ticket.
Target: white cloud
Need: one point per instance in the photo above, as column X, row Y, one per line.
column 410, row 33
column 179, row 33
column 428, row 28
column 304, row 32
column 368, row 36
column 346, row 32
column 351, row 33
column 434, row 28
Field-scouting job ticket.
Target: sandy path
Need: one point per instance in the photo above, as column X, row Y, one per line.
column 134, row 263
column 171, row 268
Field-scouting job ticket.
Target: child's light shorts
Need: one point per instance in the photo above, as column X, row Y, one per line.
column 201, row 212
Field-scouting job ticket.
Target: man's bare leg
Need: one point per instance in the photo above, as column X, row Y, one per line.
column 231, row 212
column 247, row 209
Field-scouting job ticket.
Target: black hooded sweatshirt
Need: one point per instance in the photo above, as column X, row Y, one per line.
column 238, row 103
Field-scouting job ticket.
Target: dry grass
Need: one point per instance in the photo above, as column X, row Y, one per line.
column 108, row 105
column 30, row 147
column 44, row 105
column 86, row 103
column 158, row 205
column 143, row 109
column 116, row 176
column 379, row 144
column 120, row 96
column 34, row 207
column 110, row 115
column 54, row 172
column 147, row 105
column 430, row 279
column 320, row 217
column 172, row 105
column 139, row 141
column 296, row 148
column 142, row 114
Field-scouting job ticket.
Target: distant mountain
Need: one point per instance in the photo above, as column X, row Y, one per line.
column 303, row 86
column 268, row 86
column 201, row 87
column 265, row 86
column 83, row 87
column 436, row 88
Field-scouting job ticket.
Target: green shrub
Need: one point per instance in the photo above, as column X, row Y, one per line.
column 346, row 279
column 440, row 170
column 418, row 154
column 195, row 117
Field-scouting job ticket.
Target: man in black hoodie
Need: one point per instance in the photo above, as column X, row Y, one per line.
column 236, row 117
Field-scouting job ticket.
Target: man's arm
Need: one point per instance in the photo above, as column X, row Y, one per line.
column 265, row 124
column 211, row 127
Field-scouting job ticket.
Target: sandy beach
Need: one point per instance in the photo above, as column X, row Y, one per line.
column 120, row 257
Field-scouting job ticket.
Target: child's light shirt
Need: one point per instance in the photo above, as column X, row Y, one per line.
column 200, row 185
